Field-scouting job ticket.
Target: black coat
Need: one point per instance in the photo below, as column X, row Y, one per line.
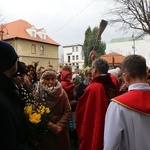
column 12, row 131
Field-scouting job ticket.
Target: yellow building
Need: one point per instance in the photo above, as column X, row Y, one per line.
column 31, row 44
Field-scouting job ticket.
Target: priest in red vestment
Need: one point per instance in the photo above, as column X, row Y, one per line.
column 92, row 106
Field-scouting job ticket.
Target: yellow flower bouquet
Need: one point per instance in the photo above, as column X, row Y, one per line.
column 37, row 116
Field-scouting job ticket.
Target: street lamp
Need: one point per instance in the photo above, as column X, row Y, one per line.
column 133, row 46
column 3, row 30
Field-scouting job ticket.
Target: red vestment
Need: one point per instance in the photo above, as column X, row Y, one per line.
column 136, row 100
column 90, row 112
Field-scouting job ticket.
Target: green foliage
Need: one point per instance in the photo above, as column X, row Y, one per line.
column 88, row 45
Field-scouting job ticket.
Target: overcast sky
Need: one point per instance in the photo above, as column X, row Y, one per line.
column 65, row 21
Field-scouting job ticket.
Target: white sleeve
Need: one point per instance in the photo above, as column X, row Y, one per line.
column 113, row 127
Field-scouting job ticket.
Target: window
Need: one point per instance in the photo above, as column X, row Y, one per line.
column 33, row 34
column 77, row 57
column 77, row 65
column 41, row 50
column 73, row 64
column 76, row 49
column 43, row 36
column 33, row 49
column 73, row 58
column 68, row 59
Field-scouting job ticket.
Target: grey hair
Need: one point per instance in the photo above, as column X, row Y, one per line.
column 101, row 64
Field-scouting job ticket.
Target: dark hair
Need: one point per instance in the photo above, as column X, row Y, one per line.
column 87, row 72
column 67, row 68
column 135, row 65
column 101, row 64
column 22, row 68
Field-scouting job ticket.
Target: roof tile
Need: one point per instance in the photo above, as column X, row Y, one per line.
column 17, row 29
column 113, row 57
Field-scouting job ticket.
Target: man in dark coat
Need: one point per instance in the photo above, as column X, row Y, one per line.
column 12, row 135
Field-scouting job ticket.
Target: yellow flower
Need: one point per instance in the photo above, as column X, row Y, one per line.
column 28, row 110
column 35, row 118
column 42, row 110
column 47, row 110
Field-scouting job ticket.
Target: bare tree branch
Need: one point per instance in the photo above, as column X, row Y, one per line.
column 132, row 14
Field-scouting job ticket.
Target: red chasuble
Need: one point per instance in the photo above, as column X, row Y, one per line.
column 136, row 100
column 90, row 114
column 91, row 109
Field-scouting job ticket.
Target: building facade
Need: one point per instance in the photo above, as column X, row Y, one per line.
column 31, row 44
column 130, row 45
column 73, row 55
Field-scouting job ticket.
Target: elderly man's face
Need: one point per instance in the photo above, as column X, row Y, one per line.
column 93, row 71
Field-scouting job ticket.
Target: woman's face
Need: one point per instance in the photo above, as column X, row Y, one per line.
column 89, row 77
column 50, row 81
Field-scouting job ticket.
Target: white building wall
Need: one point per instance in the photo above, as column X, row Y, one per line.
column 147, row 49
column 142, row 47
column 76, row 56
column 67, row 50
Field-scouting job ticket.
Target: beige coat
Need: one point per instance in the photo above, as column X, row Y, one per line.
column 61, row 114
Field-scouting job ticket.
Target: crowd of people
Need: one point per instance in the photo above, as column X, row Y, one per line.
column 100, row 108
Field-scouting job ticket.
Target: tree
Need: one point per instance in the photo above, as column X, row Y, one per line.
column 90, row 43
column 86, row 45
column 132, row 14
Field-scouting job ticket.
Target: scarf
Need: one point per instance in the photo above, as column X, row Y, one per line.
column 51, row 94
